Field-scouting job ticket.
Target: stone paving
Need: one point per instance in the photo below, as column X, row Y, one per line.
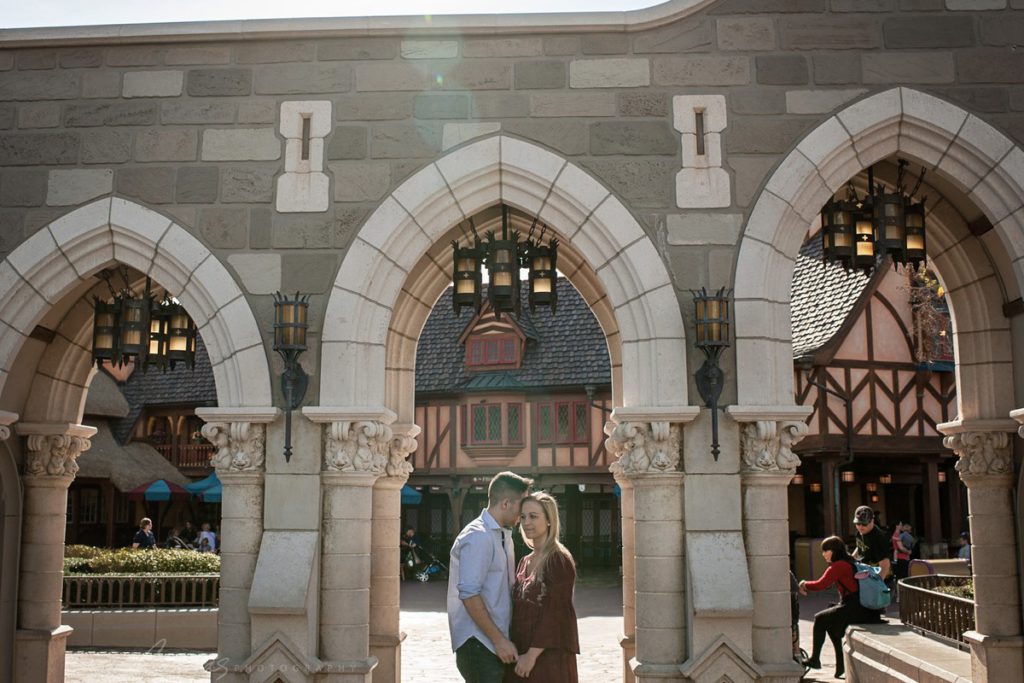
column 426, row 653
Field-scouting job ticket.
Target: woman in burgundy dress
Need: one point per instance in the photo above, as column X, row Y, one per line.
column 543, row 619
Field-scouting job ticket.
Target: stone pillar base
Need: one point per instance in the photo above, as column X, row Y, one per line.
column 628, row 645
column 388, row 651
column 659, row 673
column 781, row 673
column 39, row 655
column 996, row 658
column 271, row 667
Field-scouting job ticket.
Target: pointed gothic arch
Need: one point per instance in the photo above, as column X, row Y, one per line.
column 390, row 276
column 978, row 160
column 60, row 258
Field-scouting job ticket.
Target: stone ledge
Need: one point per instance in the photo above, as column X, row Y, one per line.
column 895, row 652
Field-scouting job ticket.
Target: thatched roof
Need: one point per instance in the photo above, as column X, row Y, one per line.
column 105, row 398
column 126, row 466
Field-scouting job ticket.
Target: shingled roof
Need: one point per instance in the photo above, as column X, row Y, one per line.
column 179, row 386
column 822, row 296
column 565, row 349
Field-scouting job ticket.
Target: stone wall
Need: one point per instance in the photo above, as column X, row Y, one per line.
column 190, row 128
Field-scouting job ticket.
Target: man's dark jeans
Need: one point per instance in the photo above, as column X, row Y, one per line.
column 477, row 664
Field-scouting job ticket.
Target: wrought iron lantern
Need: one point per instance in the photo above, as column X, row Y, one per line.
column 130, row 329
column 467, row 277
column 290, row 326
column 858, row 232
column 712, row 338
column 504, row 255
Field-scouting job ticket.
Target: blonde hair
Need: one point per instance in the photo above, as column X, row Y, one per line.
column 551, row 544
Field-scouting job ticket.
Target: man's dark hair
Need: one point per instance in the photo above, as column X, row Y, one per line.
column 507, row 485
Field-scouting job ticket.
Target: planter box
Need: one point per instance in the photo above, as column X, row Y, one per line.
column 156, row 629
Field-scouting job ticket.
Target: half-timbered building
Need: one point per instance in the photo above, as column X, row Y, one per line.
column 529, row 393
column 873, row 357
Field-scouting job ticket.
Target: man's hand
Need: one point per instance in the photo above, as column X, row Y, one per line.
column 526, row 662
column 507, row 652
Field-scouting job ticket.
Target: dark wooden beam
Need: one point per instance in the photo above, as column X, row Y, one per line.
column 43, row 334
column 980, row 225
column 1013, row 308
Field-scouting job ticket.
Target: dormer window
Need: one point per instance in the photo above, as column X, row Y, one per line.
column 493, row 350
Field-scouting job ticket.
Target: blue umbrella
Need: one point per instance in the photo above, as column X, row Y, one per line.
column 411, row 496
column 157, row 490
column 197, row 487
column 211, row 494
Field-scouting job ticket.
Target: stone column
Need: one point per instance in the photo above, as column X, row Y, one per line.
column 647, row 448
column 10, row 549
column 357, row 453
column 767, row 466
column 239, row 435
column 385, row 589
column 986, row 467
column 626, row 503
column 51, row 454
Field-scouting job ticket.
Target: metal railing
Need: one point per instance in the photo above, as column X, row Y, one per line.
column 149, row 590
column 938, row 614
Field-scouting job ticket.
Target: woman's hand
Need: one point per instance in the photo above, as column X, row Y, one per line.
column 802, row 588
column 526, row 662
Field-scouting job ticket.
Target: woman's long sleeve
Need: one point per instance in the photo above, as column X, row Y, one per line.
column 556, row 627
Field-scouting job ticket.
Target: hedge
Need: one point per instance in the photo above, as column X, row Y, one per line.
column 88, row 560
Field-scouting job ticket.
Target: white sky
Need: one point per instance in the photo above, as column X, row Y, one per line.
column 22, row 13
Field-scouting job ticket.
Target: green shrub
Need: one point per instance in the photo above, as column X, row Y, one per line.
column 83, row 551
column 964, row 591
column 157, row 561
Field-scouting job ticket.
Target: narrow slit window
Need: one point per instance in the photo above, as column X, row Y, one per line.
column 698, row 118
column 305, row 137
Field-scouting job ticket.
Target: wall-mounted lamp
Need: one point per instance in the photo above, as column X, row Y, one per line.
column 816, row 487
column 871, row 487
column 290, row 341
column 885, row 479
column 712, row 318
column 798, row 480
column 849, row 477
column 942, row 477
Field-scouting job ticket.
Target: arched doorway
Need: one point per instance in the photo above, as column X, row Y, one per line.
column 399, row 264
column 981, row 269
column 48, row 280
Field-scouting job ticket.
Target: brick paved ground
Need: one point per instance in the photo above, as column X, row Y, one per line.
column 426, row 654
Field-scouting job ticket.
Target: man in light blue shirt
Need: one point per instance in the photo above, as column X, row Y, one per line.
column 480, row 577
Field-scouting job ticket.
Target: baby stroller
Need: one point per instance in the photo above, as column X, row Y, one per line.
column 426, row 565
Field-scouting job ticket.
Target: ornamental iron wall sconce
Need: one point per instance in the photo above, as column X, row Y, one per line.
column 130, row 329
column 504, row 256
column 290, row 327
column 712, row 318
column 859, row 232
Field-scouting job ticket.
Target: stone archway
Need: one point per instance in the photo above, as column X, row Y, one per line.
column 979, row 274
column 395, row 270
column 46, row 279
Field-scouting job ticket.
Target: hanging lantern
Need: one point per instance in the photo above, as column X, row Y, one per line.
column 890, row 228
column 838, row 223
column 467, row 276
column 503, row 267
column 105, row 331
column 865, row 255
column 541, row 260
column 156, row 356
column 135, row 313
column 181, row 336
column 915, row 235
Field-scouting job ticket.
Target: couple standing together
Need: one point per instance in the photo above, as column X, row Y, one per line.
column 513, row 624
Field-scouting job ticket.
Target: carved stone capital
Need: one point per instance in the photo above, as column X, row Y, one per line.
column 52, row 450
column 362, row 446
column 767, row 446
column 6, row 420
column 403, row 444
column 241, row 446
column 5, row 432
column 983, row 455
column 1018, row 415
column 643, row 447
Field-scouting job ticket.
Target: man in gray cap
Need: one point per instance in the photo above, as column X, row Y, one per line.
column 872, row 545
